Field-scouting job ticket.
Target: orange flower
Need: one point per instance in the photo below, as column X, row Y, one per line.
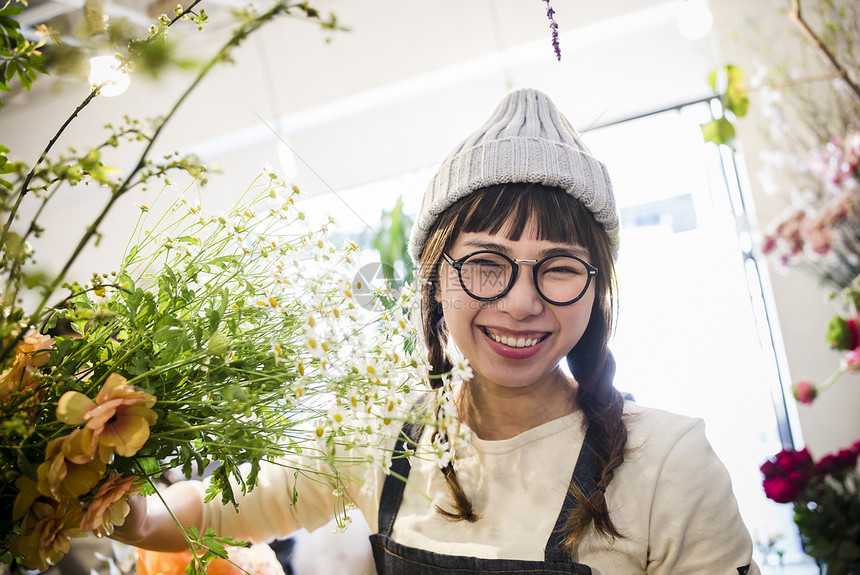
column 119, row 418
column 37, row 346
column 61, row 478
column 258, row 559
column 31, row 353
column 166, row 563
column 109, row 506
column 46, row 533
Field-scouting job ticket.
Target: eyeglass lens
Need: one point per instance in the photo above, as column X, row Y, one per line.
column 559, row 279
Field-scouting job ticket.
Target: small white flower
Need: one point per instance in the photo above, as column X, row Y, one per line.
column 461, row 369
column 337, row 416
column 277, row 352
column 442, row 453
column 314, row 343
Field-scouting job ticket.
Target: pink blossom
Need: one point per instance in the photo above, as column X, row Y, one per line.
column 851, row 360
column 768, row 244
column 804, row 391
column 821, row 241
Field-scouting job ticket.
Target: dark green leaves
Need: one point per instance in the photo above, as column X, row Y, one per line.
column 18, row 57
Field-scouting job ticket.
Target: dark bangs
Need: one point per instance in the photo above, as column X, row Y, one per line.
column 555, row 215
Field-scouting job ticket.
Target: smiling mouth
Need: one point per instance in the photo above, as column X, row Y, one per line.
column 516, row 340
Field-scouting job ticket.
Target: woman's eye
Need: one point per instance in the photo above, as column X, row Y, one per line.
column 562, row 270
column 489, row 264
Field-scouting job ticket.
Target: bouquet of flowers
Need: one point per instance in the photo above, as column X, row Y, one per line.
column 221, row 340
column 826, row 499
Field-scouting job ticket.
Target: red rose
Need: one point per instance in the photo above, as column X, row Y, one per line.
column 827, row 464
column 800, row 477
column 791, row 460
column 770, row 469
column 847, row 459
column 780, row 489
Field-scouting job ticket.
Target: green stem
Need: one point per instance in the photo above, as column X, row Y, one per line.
column 834, row 377
column 164, row 368
column 10, row 345
column 119, row 362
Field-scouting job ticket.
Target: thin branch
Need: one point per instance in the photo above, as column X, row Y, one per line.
column 796, row 17
column 92, row 229
column 95, row 92
column 26, row 185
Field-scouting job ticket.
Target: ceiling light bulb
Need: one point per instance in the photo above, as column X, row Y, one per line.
column 105, row 72
column 695, row 19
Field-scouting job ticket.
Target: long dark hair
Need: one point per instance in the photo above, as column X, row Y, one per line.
column 557, row 217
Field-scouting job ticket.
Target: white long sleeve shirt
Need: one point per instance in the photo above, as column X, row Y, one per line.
column 671, row 499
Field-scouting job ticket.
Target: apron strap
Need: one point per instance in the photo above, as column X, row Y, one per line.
column 395, row 481
column 585, row 478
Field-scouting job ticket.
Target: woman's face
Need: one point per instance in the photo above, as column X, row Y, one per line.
column 478, row 328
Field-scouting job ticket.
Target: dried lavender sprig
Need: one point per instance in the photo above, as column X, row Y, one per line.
column 553, row 25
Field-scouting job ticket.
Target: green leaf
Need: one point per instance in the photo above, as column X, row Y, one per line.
column 11, row 10
column 737, row 100
column 712, row 78
column 216, row 548
column 719, row 131
column 149, row 465
column 734, row 75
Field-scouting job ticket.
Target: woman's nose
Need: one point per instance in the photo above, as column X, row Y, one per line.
column 523, row 299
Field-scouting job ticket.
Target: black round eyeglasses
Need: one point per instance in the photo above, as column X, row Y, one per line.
column 487, row 276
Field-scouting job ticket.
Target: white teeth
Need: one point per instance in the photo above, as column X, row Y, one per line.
column 513, row 342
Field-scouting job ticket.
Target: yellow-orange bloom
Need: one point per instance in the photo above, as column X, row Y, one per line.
column 63, row 479
column 110, row 505
column 38, row 347
column 31, row 353
column 28, row 493
column 119, row 418
column 46, row 533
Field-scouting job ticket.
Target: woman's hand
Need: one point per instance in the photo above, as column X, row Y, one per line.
column 149, row 524
column 131, row 531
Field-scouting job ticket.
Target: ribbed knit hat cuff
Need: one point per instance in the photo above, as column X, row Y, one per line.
column 531, row 160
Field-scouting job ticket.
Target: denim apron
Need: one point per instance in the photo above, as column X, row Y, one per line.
column 392, row 558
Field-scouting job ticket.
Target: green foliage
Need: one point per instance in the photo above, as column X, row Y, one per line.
column 392, row 242
column 206, row 548
column 18, row 57
column 728, row 82
column 828, row 523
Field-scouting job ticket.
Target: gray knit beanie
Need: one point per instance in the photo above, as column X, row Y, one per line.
column 526, row 140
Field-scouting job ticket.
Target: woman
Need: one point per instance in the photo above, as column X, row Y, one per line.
column 516, row 237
